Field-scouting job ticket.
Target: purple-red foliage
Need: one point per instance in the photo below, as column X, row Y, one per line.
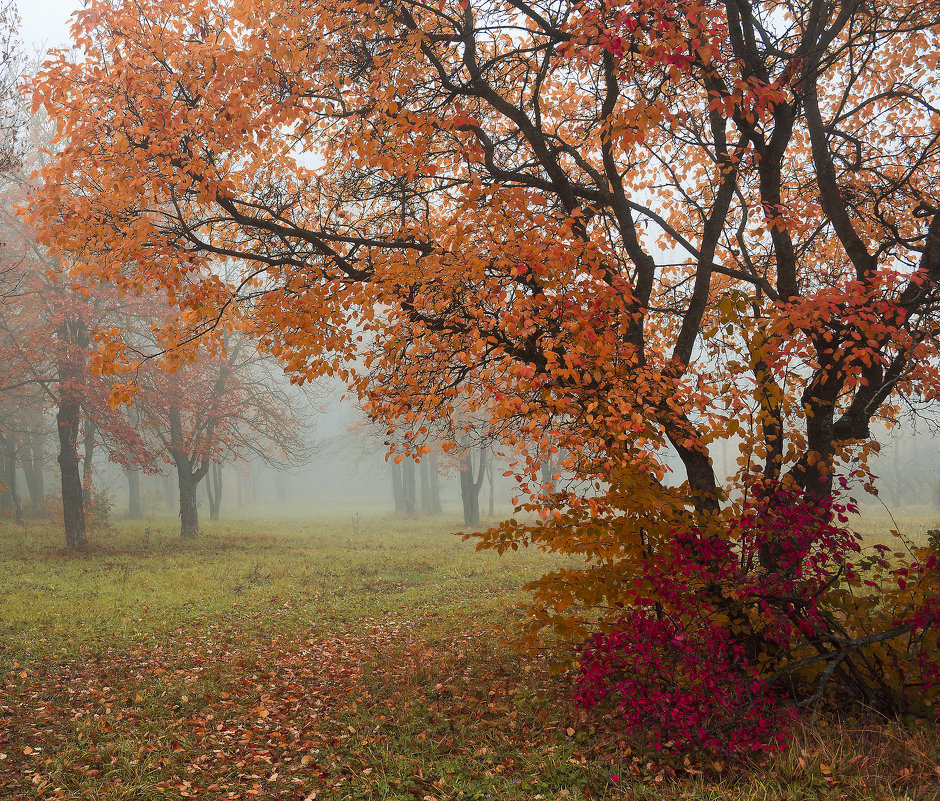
column 721, row 623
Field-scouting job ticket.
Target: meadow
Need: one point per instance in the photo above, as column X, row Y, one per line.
column 348, row 658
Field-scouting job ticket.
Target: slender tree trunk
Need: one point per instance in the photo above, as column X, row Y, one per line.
column 214, row 490
column 11, row 497
column 135, row 509
column 435, row 476
column 252, row 486
column 398, row 491
column 430, row 486
column 491, row 480
column 31, row 461
column 408, row 485
column 8, row 461
column 424, row 469
column 73, row 508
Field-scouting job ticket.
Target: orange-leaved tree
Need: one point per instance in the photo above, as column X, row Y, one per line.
column 627, row 229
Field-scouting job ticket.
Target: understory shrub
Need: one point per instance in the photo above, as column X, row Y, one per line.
column 732, row 630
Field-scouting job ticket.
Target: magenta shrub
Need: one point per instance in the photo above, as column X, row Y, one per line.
column 732, row 632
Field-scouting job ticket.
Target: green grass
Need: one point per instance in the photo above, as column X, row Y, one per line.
column 337, row 659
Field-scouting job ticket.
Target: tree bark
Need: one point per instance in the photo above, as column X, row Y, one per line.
column 188, row 475
column 470, row 486
column 73, row 507
column 134, row 507
column 189, row 509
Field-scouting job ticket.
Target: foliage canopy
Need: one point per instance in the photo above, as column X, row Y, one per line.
column 611, row 229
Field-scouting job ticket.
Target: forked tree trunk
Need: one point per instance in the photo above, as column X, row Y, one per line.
column 470, row 486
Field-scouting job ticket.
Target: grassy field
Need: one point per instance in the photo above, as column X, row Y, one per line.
column 338, row 659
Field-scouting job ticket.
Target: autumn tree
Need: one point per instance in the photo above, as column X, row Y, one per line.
column 628, row 229
column 222, row 406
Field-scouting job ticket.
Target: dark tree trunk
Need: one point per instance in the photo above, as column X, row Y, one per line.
column 189, row 509
column 409, row 486
column 73, row 508
column 398, row 491
column 470, row 486
column 214, row 490
column 135, row 509
column 188, row 475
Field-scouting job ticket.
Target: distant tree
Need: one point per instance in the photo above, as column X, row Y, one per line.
column 219, row 407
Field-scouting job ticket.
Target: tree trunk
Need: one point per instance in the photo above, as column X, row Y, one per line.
column 214, row 490
column 134, row 507
column 424, row 468
column 470, row 486
column 189, row 510
column 398, row 491
column 491, row 480
column 8, row 461
column 31, row 461
column 435, row 476
column 73, row 508
column 11, row 499
column 430, row 486
column 408, row 486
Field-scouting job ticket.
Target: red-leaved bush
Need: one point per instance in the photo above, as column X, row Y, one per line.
column 732, row 632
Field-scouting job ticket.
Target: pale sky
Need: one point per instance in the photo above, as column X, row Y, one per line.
column 45, row 23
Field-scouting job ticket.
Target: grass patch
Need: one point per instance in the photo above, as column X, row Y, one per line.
column 339, row 659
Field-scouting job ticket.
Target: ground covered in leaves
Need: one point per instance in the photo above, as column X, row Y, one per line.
column 338, row 661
